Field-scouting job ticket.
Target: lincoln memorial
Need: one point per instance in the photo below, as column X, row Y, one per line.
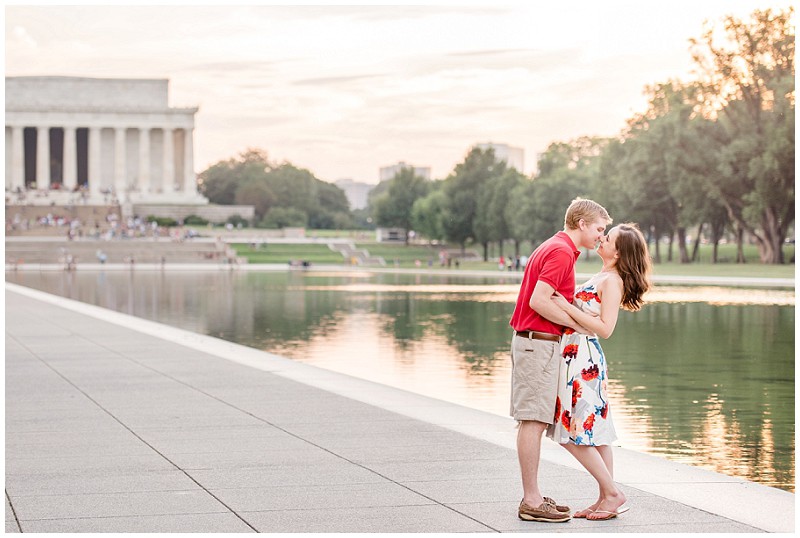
column 98, row 141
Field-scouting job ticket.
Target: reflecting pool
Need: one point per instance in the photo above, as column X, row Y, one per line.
column 703, row 376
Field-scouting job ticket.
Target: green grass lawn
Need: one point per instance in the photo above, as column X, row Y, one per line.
column 280, row 253
column 402, row 255
column 399, row 255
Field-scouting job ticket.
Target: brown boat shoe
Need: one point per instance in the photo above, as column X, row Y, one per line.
column 545, row 512
column 559, row 507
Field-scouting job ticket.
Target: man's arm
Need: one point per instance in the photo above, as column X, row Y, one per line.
column 545, row 307
column 603, row 325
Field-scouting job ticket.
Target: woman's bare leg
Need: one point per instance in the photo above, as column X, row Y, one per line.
column 611, row 497
column 607, row 453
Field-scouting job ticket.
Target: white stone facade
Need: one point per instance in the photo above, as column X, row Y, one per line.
column 97, row 141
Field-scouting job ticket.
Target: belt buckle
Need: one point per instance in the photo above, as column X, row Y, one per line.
column 528, row 334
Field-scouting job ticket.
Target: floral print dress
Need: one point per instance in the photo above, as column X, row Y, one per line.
column 582, row 415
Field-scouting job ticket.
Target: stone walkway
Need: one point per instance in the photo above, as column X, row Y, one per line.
column 115, row 424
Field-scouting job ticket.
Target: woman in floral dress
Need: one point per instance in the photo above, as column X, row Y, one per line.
column 582, row 417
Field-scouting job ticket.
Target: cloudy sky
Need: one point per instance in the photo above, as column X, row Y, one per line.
column 344, row 90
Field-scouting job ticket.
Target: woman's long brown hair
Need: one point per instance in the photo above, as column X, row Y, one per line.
column 633, row 265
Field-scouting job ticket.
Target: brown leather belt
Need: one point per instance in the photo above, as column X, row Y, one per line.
column 536, row 335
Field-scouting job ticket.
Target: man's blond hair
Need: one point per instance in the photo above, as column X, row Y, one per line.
column 587, row 210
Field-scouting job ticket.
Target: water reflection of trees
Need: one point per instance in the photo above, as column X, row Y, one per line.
column 273, row 310
column 478, row 332
column 716, row 376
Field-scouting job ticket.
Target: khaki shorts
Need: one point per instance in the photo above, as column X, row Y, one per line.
column 534, row 378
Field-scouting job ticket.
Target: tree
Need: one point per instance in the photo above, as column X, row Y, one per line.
column 250, row 179
column 491, row 219
column 498, row 206
column 566, row 170
column 572, row 155
column 427, row 213
column 662, row 156
column 362, row 219
column 285, row 217
column 331, row 209
column 462, row 188
column 294, row 187
column 520, row 213
column 660, row 171
column 748, row 82
column 255, row 192
column 393, row 209
column 220, row 181
column 626, row 167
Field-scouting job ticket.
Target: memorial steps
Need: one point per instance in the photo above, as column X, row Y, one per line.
column 145, row 250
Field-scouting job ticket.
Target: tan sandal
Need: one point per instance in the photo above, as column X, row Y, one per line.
column 608, row 515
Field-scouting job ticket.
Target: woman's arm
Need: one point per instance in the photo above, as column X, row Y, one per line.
column 610, row 292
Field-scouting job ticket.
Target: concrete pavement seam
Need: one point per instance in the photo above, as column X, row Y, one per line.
column 296, row 436
column 62, row 376
column 117, row 353
column 13, row 511
column 126, row 516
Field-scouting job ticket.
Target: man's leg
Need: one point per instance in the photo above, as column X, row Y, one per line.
column 529, row 447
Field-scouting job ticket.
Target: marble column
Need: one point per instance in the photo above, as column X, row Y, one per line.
column 94, row 162
column 70, row 168
column 42, row 157
column 17, row 158
column 189, row 179
column 144, row 160
column 120, row 170
column 168, row 180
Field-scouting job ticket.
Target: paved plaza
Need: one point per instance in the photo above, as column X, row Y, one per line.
column 116, row 424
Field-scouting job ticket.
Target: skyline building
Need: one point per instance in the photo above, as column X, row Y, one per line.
column 514, row 157
column 355, row 191
column 388, row 172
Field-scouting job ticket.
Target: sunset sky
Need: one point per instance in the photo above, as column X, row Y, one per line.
column 344, row 90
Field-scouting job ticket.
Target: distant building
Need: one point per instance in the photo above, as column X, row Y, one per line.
column 356, row 192
column 98, row 138
column 388, row 172
column 390, row 235
column 514, row 157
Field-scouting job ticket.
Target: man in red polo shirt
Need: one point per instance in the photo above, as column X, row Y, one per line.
column 535, row 347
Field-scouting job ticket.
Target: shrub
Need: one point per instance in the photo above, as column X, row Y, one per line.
column 166, row 222
column 238, row 220
column 194, row 220
column 283, row 217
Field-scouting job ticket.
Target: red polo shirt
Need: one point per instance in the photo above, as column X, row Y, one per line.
column 554, row 263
